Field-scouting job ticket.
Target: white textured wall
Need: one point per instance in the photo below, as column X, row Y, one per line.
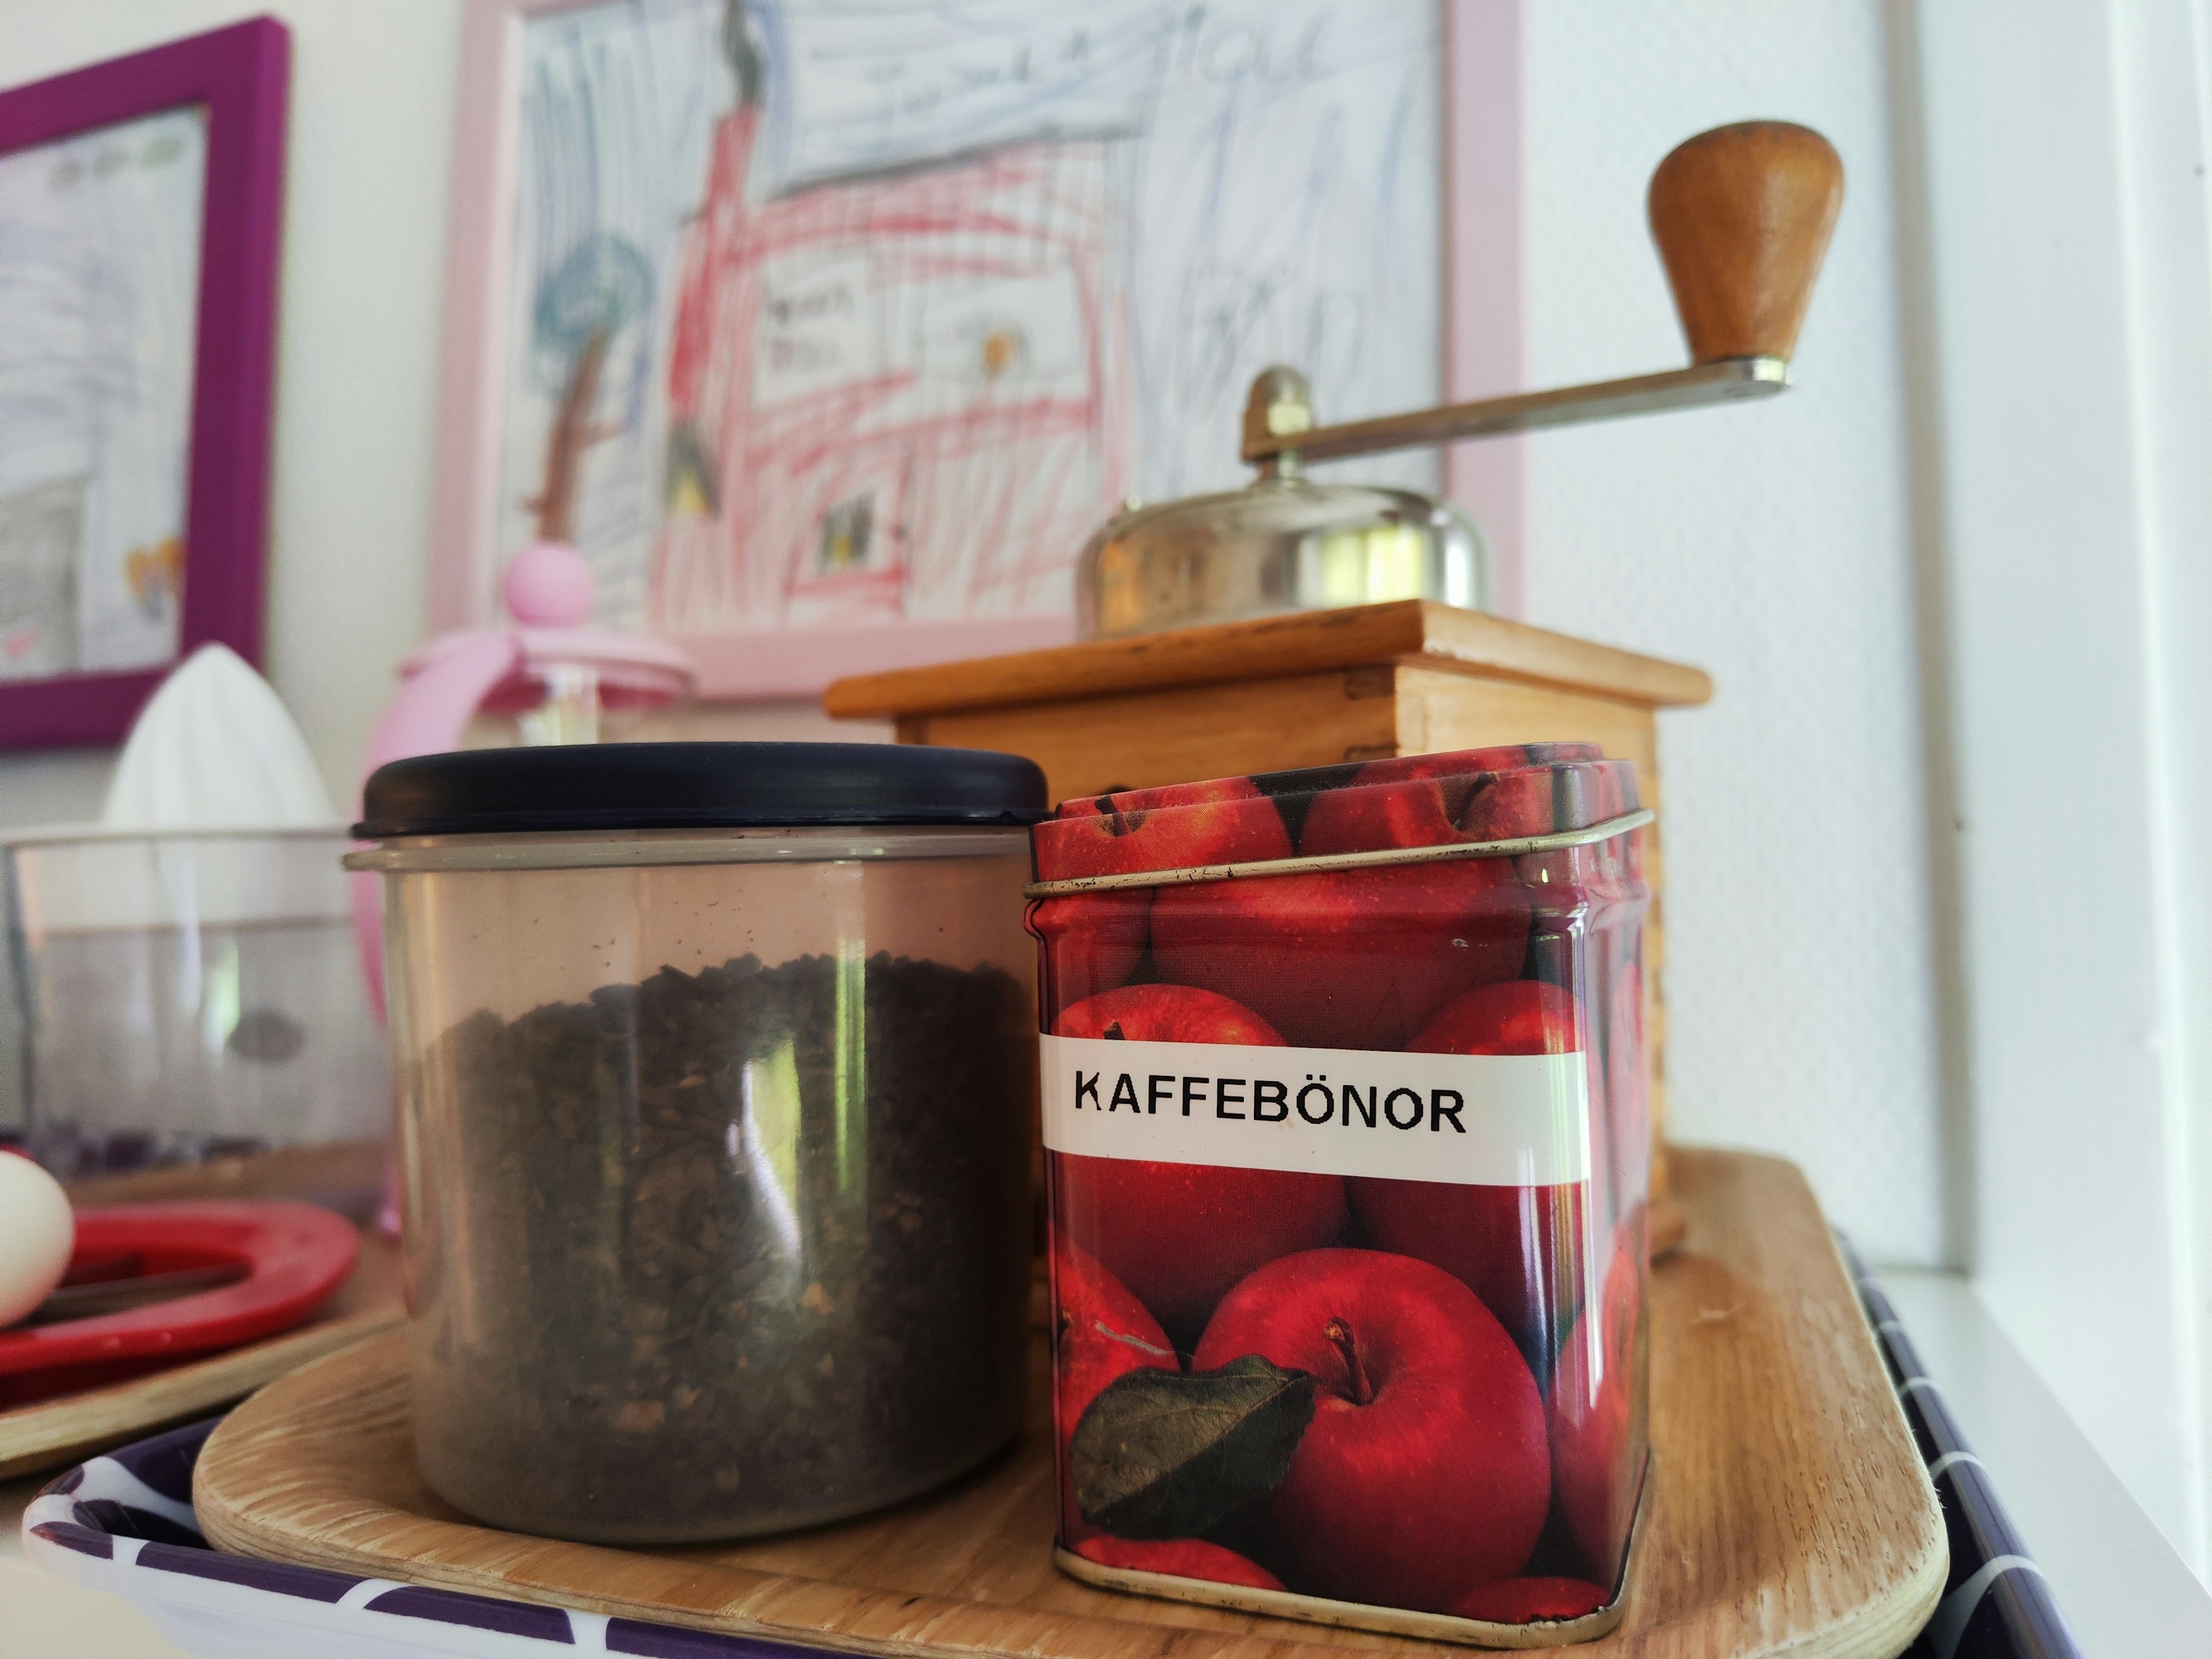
column 1774, row 547
column 2072, row 291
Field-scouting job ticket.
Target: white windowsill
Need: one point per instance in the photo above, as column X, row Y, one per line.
column 2120, row 1584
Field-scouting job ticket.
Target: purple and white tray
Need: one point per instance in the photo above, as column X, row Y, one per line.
column 124, row 1523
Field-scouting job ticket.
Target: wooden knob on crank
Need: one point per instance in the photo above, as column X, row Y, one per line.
column 1743, row 216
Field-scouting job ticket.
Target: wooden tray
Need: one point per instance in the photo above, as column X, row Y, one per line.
column 52, row 1433
column 1791, row 1514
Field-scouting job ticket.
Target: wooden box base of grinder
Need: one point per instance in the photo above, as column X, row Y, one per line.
column 1314, row 688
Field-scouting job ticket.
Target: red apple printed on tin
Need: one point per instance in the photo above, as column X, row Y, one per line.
column 1346, row 1250
column 1097, row 943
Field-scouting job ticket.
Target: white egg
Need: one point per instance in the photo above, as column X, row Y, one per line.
column 37, row 1232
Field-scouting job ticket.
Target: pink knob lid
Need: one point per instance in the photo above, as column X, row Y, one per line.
column 549, row 585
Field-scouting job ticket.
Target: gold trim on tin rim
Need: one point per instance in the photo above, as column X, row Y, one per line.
column 1513, row 847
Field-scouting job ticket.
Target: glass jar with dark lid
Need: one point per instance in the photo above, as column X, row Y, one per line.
column 716, row 1074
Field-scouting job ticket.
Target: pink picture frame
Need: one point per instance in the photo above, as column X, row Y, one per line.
column 240, row 75
column 1482, row 252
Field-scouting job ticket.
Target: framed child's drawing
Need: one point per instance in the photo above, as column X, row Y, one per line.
column 830, row 329
column 140, row 202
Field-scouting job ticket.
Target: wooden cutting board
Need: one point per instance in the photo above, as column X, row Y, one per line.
column 1790, row 1512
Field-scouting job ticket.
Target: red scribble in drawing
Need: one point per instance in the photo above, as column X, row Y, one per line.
column 900, row 396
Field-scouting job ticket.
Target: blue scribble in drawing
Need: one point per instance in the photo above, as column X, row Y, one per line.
column 619, row 107
column 100, row 256
column 589, row 300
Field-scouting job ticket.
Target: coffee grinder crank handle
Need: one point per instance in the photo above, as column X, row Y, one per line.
column 1742, row 215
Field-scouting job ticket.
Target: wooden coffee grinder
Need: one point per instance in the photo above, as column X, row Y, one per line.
column 1294, row 624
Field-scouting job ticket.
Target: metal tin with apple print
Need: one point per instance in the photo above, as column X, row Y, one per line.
column 1343, row 1083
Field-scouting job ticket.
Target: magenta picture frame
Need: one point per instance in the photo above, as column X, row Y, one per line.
column 240, row 75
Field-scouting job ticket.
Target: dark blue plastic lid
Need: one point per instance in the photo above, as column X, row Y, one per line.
column 691, row 785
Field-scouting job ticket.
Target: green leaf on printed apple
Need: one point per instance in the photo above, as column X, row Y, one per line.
column 1163, row 1453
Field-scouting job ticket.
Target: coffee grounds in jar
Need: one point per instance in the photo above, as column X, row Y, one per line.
column 745, row 1249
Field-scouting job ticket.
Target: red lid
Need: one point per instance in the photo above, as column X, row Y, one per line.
column 1415, row 801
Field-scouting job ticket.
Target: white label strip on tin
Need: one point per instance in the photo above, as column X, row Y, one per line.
column 1476, row 1119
